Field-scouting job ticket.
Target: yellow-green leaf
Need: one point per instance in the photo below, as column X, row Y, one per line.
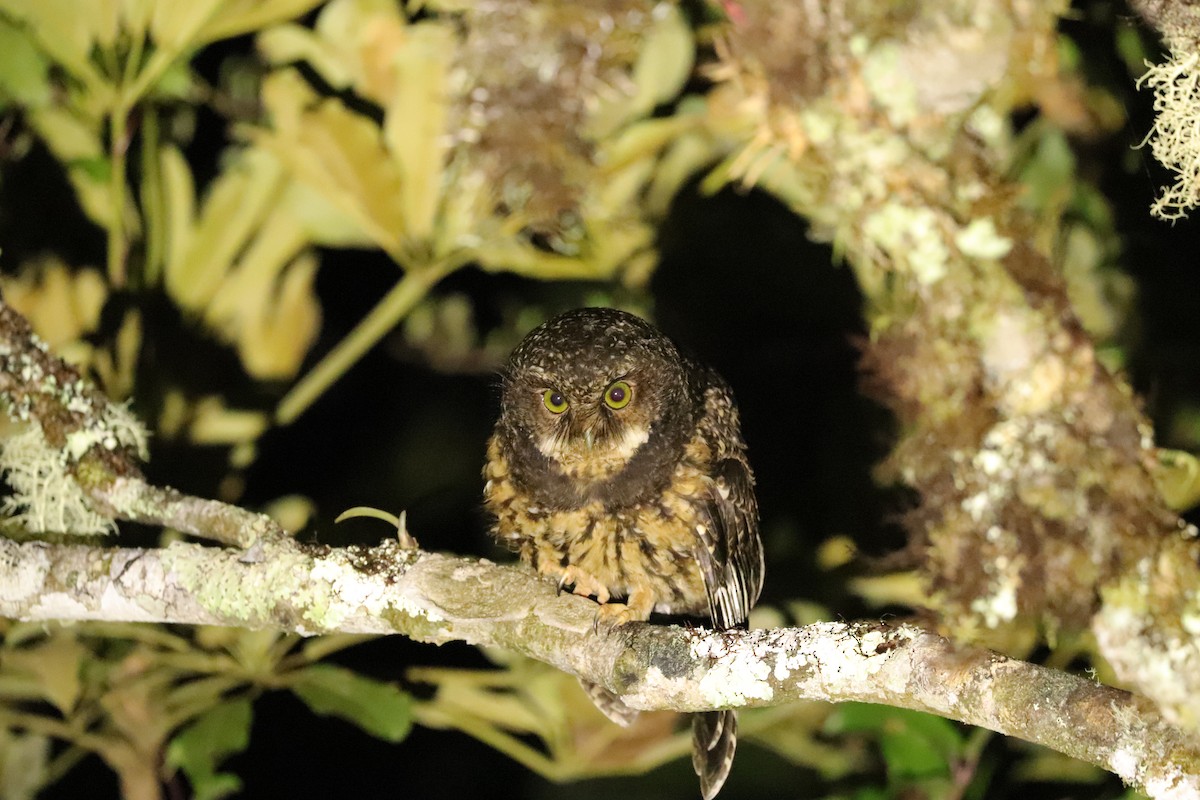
column 665, row 61
column 380, row 709
column 55, row 664
column 288, row 44
column 363, row 35
column 67, row 31
column 179, row 202
column 24, row 70
column 663, row 66
column 237, row 17
column 232, row 213
column 1177, row 475
column 274, row 344
column 339, row 154
column 76, row 142
column 415, row 123
column 214, row 423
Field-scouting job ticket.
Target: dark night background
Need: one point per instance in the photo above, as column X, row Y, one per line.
column 740, row 284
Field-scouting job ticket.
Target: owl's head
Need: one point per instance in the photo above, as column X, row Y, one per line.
column 591, row 387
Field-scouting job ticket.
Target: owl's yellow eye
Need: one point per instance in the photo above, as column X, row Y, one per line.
column 618, row 394
column 554, row 401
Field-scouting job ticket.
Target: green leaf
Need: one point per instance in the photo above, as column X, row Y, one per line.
column 1049, row 173
column 98, row 169
column 380, row 709
column 907, row 756
column 913, row 744
column 210, row 739
column 663, row 66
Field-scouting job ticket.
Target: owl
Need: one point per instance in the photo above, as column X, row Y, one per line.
column 617, row 468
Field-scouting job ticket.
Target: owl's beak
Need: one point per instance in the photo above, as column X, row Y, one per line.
column 589, row 438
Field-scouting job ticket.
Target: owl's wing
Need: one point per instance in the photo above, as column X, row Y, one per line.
column 730, row 555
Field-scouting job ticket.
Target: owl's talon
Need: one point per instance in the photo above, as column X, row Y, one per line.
column 582, row 584
column 611, row 616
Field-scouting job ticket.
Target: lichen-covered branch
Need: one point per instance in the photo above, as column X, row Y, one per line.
column 1172, row 18
column 438, row 598
column 75, row 469
column 1033, row 463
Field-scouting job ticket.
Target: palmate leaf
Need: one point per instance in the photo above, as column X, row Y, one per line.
column 338, row 153
column 242, row 263
column 379, row 708
column 67, row 32
column 233, row 214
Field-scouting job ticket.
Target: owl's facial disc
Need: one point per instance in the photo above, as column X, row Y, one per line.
column 594, row 436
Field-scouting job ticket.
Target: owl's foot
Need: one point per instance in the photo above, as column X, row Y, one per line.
column 583, row 584
column 611, row 615
column 636, row 609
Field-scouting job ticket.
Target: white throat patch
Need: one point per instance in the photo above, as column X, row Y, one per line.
column 600, row 461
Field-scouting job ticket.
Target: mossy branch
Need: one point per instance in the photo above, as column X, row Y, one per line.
column 77, row 470
column 438, row 598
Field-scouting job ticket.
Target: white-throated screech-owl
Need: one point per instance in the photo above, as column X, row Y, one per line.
column 617, row 467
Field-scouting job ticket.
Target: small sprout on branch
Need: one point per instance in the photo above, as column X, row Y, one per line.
column 406, row 539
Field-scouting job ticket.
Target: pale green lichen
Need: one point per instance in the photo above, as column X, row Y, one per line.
column 1000, row 605
column 353, row 593
column 820, row 128
column 912, row 238
column 1174, row 140
column 45, row 496
column 1161, row 662
column 116, row 428
column 323, row 593
column 980, row 239
column 889, row 84
column 25, row 570
column 952, row 67
column 249, row 596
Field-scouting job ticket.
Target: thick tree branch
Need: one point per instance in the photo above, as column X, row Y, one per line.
column 439, row 598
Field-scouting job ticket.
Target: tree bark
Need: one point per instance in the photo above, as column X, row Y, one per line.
column 438, row 598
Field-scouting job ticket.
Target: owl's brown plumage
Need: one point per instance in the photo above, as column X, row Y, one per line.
column 618, row 467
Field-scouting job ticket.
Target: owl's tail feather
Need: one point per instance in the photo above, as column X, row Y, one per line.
column 609, row 704
column 714, row 740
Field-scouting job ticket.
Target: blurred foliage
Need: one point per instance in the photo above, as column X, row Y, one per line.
column 504, row 708
column 546, row 140
column 135, row 695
